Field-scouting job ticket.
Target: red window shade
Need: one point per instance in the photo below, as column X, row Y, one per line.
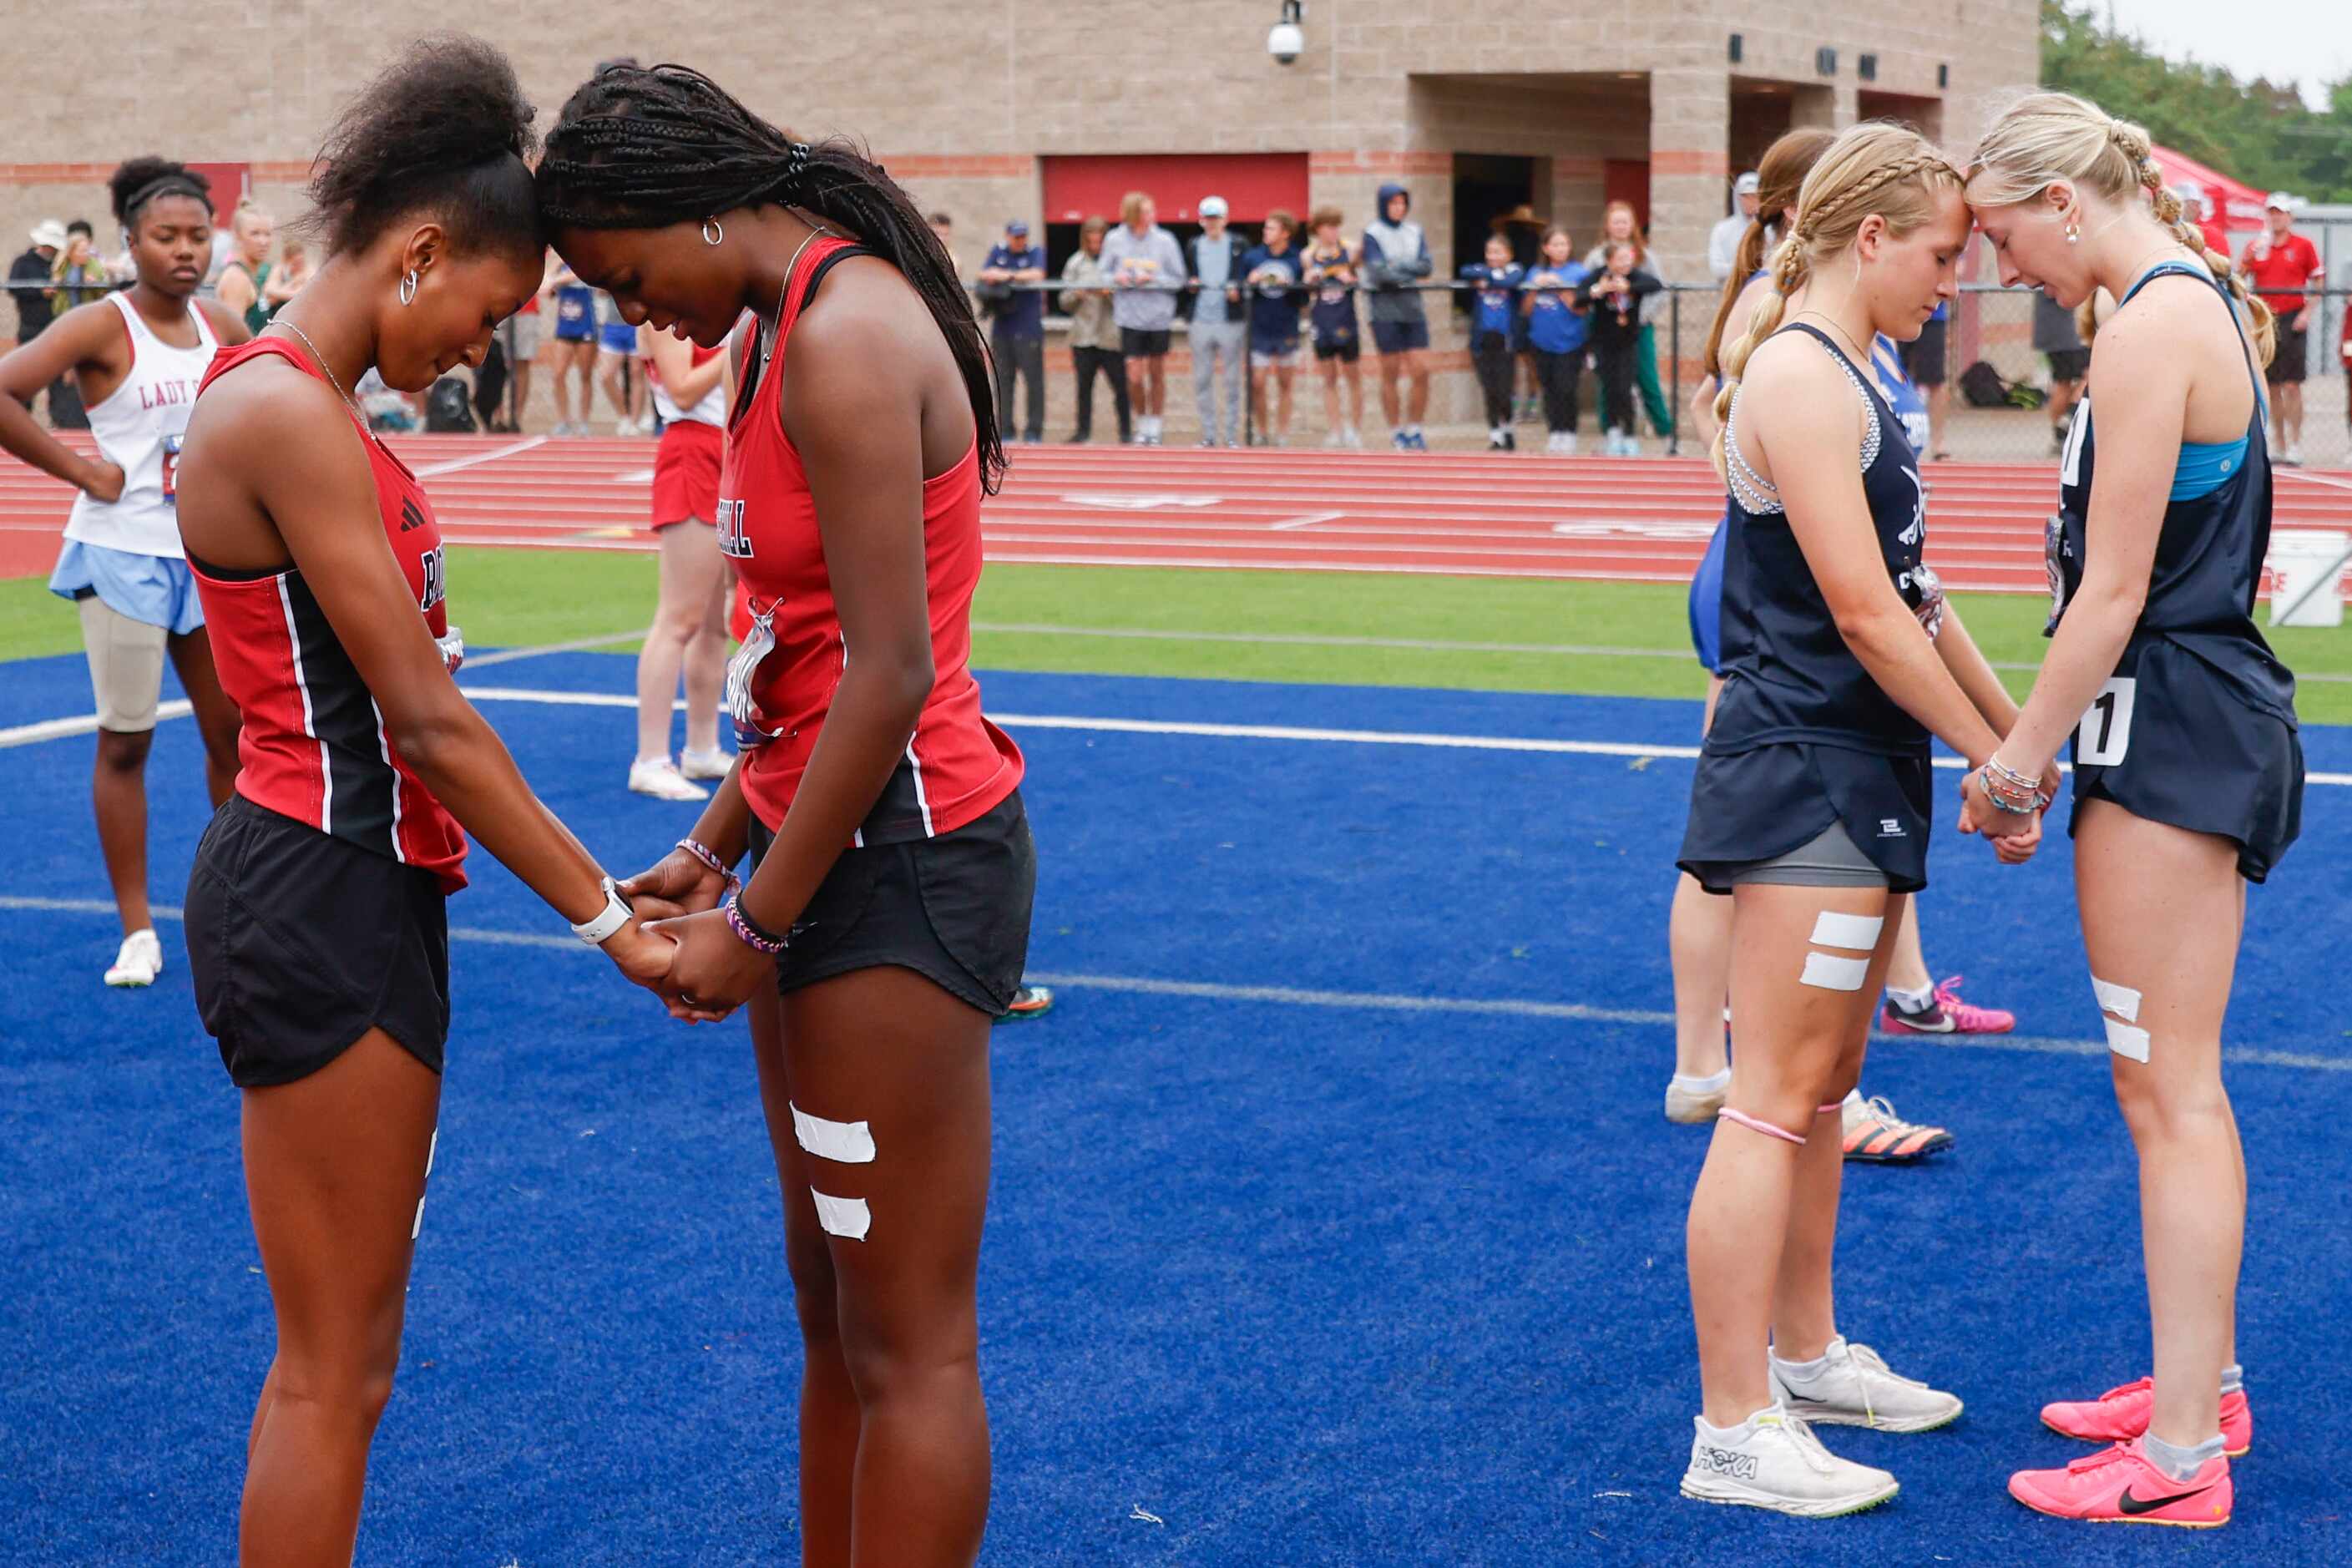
column 231, row 183
column 1627, row 180
column 1253, row 183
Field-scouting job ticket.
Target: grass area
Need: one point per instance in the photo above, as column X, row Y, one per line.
column 1511, row 635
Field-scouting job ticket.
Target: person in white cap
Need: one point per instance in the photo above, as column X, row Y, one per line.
column 2197, row 210
column 1219, row 329
column 2279, row 266
column 28, row 286
column 1723, row 239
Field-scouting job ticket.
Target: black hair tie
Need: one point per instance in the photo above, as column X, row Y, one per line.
column 167, row 185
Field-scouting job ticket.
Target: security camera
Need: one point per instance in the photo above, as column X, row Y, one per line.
column 1287, row 40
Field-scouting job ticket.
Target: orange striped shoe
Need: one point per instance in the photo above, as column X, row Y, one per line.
column 1875, row 1135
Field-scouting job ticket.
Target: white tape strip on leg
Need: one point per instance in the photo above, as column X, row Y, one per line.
column 843, row 1142
column 2120, row 1000
column 432, row 1151
column 842, row 1216
column 1858, row 933
column 417, row 1226
column 1835, row 973
column 2127, row 1041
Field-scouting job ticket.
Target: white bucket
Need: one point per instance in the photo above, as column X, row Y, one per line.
column 2309, row 564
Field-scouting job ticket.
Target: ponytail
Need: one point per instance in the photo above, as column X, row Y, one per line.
column 1743, row 266
column 1789, row 270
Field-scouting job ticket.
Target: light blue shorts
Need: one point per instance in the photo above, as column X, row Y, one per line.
column 157, row 589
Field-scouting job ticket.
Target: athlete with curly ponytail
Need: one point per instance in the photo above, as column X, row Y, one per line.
column 1811, row 806
column 886, row 915
column 317, row 918
column 2188, row 773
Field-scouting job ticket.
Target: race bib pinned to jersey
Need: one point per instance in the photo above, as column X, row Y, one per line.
column 170, row 471
column 759, row 643
column 2104, row 737
column 2054, row 555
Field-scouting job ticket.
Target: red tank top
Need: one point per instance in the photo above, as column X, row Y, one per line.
column 957, row 765
column 313, row 745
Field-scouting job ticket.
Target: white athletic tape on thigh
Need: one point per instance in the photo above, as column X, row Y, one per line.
column 1859, row 932
column 843, row 1142
column 1835, row 973
column 432, row 1151
column 842, row 1216
column 417, row 1226
column 2127, row 1041
column 2120, row 1000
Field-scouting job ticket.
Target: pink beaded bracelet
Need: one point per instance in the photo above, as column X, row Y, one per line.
column 710, row 857
column 751, row 934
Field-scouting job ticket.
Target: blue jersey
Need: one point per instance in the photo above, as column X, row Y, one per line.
column 1273, row 277
column 1554, row 327
column 1333, row 313
column 1904, row 398
column 2196, row 726
column 1498, row 298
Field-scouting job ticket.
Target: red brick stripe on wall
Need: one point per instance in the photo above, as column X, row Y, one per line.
column 1358, row 162
column 1677, row 160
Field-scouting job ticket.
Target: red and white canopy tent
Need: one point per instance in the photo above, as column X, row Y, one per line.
column 2235, row 204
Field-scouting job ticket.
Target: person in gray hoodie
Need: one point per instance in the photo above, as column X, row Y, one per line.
column 1147, row 271
column 1395, row 257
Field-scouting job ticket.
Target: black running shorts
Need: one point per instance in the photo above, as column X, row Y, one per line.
column 953, row 909
column 299, row 943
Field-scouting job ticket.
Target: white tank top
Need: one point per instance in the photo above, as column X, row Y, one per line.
column 711, row 410
column 139, row 428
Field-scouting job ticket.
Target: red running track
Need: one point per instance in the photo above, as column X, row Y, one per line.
column 1470, row 513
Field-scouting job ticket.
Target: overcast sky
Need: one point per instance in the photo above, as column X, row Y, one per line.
column 2308, row 42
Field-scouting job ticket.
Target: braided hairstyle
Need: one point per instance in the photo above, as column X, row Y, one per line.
column 1874, row 168
column 2046, row 137
column 1779, row 180
column 645, row 148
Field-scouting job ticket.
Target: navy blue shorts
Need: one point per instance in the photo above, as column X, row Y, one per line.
column 1754, row 806
column 1706, row 600
column 1399, row 337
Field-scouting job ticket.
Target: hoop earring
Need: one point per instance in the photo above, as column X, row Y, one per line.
column 712, row 232
column 2073, row 233
column 408, row 288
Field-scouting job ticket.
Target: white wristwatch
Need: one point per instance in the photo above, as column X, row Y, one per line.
column 616, row 914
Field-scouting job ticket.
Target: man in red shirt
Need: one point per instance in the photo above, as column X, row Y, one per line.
column 2199, row 213
column 2280, row 264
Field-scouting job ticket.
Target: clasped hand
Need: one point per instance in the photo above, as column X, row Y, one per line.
column 2014, row 834
column 686, row 954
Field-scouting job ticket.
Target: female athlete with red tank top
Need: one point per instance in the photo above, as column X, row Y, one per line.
column 887, row 916
column 316, row 928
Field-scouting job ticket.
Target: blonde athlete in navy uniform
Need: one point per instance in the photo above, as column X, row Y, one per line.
column 2187, row 768
column 1810, row 807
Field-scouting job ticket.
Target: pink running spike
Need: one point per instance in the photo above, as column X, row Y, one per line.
column 1753, row 1125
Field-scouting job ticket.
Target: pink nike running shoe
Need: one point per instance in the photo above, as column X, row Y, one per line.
column 2119, row 1486
column 2120, row 1415
column 1946, row 1014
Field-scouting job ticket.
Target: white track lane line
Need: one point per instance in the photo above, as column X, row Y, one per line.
column 434, row 469
column 1299, row 996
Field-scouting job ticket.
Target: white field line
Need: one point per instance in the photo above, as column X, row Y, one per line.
column 1299, row 996
column 432, row 470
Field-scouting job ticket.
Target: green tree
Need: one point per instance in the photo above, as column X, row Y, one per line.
column 2259, row 131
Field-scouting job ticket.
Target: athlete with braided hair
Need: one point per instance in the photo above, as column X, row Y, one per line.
column 886, row 915
column 2188, row 773
column 1811, row 806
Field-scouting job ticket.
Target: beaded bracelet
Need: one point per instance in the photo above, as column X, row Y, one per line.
column 710, row 857
column 2019, row 782
column 751, row 933
column 1998, row 791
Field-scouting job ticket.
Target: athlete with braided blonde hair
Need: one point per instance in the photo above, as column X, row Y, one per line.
column 1811, row 806
column 2188, row 773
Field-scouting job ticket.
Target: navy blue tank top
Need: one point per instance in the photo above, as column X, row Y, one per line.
column 2208, row 552
column 1788, row 673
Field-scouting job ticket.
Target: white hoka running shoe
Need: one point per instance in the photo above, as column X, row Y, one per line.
column 1773, row 1461
column 1857, row 1388
column 710, row 764
column 659, row 778
column 139, row 960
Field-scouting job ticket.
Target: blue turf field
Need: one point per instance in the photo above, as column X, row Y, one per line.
column 1310, row 1280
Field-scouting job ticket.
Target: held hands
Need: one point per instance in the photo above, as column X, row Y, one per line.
column 714, row 971
column 676, row 884
column 2014, row 834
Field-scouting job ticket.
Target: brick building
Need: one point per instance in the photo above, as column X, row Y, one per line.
column 1049, row 109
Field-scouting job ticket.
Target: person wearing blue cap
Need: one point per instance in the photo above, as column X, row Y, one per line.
column 1016, row 328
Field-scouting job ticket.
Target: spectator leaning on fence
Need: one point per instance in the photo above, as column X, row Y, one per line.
column 1394, row 257
column 1274, row 271
column 1555, row 332
column 1219, row 329
column 1623, row 226
column 1094, row 336
column 29, row 277
column 2054, row 334
column 1492, row 323
column 1016, row 326
column 2280, row 264
column 1146, row 269
column 1723, row 239
column 1329, row 271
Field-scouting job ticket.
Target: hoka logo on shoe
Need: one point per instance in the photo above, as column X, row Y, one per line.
column 1724, row 1462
